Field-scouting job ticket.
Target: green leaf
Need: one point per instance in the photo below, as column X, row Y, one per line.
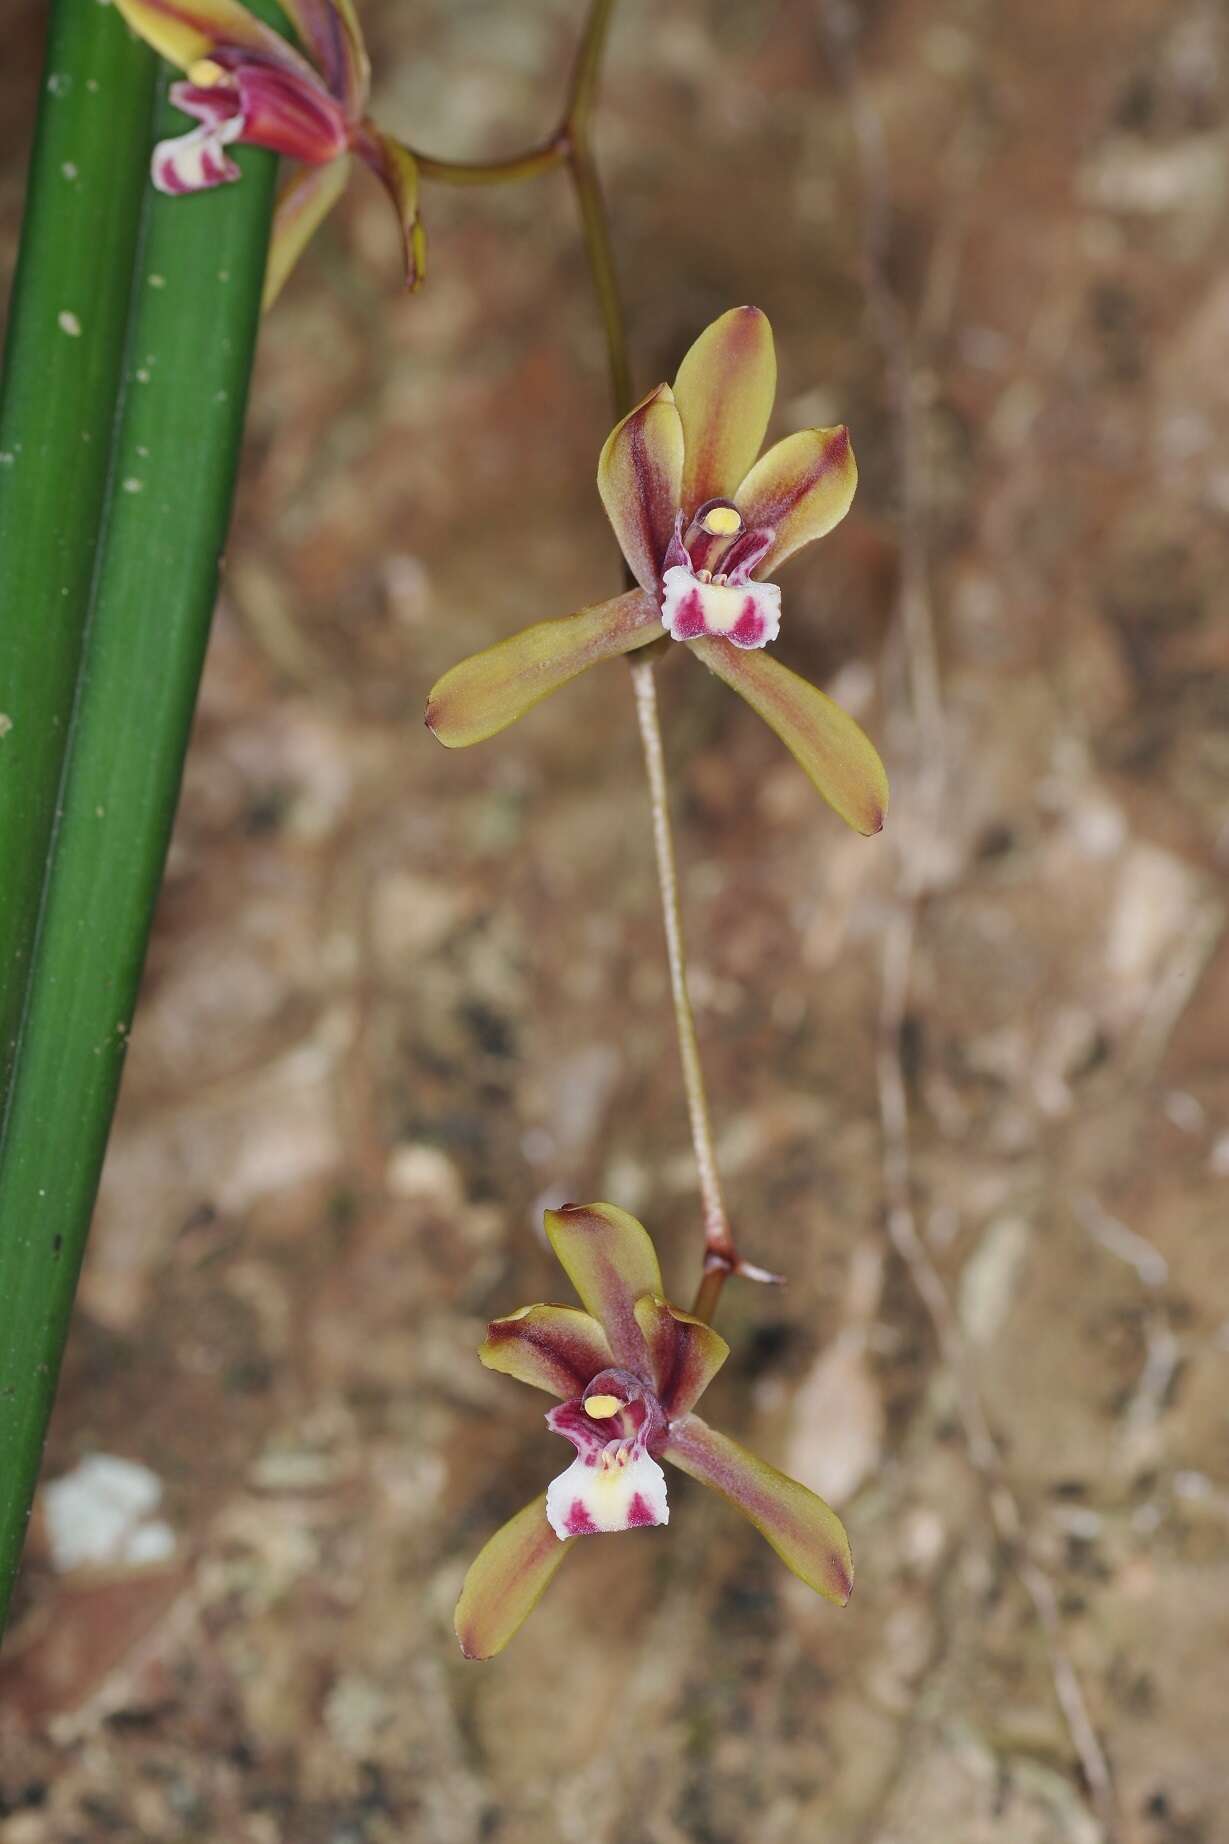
column 488, row 691
column 834, row 751
column 193, row 284
column 63, row 364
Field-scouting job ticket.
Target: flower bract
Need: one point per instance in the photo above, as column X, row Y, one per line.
column 629, row 1369
column 704, row 521
column 244, row 83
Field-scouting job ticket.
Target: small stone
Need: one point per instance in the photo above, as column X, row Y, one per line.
column 100, row 1514
column 422, row 1174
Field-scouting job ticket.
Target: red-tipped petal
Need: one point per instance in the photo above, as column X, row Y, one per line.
column 685, row 1352
column 806, row 1533
column 302, row 206
column 610, row 1260
column 835, row 753
column 395, row 167
column 490, row 690
column 331, row 34
column 506, row 1580
column 557, row 1348
column 183, row 31
column 801, row 488
column 639, row 476
column 724, row 392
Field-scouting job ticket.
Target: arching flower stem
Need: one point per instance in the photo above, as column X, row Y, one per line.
column 570, row 146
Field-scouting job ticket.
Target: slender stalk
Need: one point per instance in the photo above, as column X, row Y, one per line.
column 601, row 266
column 526, row 165
column 716, row 1224
column 587, row 69
column 574, row 135
column 721, row 1258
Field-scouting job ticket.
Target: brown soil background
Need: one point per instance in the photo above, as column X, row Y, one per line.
column 397, row 998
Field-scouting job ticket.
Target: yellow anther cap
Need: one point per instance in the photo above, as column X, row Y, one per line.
column 603, row 1407
column 722, row 521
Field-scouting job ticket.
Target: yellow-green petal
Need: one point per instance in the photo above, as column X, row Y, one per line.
column 806, row 1533
column 556, row 1348
column 724, row 392
column 829, row 746
column 610, row 1260
column 182, row 31
column 685, row 1352
column 639, row 476
column 490, row 690
column 303, row 203
column 802, row 487
column 507, row 1579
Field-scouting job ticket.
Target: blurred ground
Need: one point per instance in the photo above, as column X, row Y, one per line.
column 396, row 998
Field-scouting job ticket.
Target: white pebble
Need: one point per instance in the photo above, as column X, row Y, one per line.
column 100, row 1513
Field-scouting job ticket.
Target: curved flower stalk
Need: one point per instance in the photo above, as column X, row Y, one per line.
column 245, row 83
column 629, row 1369
column 702, row 523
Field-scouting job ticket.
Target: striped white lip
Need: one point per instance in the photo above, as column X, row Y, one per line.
column 747, row 614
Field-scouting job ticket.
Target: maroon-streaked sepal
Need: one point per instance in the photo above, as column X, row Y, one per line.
column 685, row 1352
column 806, row 1533
column 490, row 690
column 330, row 33
column 396, row 169
column 506, row 1580
column 610, row 1260
column 801, row 488
column 303, row 203
column 836, row 754
column 556, row 1348
column 639, row 477
column 724, row 392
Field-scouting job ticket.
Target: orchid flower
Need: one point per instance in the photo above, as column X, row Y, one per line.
column 245, row 83
column 701, row 523
column 629, row 1369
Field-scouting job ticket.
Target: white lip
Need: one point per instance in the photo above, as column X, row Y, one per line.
column 723, row 605
column 616, row 1496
